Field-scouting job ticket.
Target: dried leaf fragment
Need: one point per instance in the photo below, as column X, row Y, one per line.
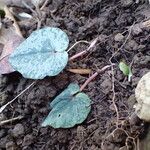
column 80, row 71
column 10, row 40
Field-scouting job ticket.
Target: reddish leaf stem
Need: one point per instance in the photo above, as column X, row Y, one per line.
column 77, row 55
column 85, row 51
column 93, row 76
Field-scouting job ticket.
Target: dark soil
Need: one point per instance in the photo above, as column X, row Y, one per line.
column 115, row 24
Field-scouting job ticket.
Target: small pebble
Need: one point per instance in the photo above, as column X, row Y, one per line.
column 18, row 130
column 126, row 3
column 118, row 37
column 3, row 142
column 11, row 146
column 136, row 30
column 2, row 117
column 2, row 133
column 19, row 141
column 132, row 45
column 28, row 140
column 106, row 86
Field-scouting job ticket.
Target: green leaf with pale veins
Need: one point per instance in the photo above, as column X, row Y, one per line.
column 69, row 108
column 41, row 54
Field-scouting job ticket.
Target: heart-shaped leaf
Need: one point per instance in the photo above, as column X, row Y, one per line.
column 69, row 108
column 41, row 54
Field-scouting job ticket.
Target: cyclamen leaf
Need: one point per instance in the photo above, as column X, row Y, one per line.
column 69, row 108
column 41, row 54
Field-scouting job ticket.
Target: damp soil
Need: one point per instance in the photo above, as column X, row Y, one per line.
column 115, row 23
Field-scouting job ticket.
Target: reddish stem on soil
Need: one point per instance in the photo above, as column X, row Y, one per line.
column 77, row 55
column 85, row 51
column 93, row 76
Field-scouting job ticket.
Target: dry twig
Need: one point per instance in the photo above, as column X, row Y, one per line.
column 44, row 4
column 4, row 106
column 82, row 41
column 113, row 78
column 37, row 14
column 127, row 38
column 10, row 120
column 10, row 16
column 114, row 95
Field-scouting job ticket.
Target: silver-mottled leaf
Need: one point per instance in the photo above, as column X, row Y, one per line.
column 69, row 108
column 41, row 54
